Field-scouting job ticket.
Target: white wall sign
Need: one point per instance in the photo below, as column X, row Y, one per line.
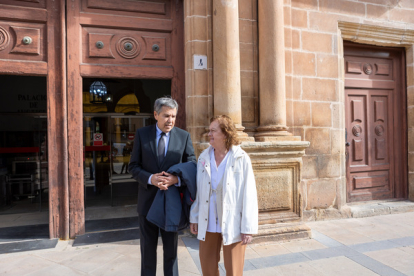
column 98, row 139
column 200, row 62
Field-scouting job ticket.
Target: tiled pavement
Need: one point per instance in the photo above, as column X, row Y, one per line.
column 380, row 245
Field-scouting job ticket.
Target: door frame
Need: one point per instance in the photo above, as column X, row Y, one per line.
column 53, row 67
column 400, row 146
column 77, row 70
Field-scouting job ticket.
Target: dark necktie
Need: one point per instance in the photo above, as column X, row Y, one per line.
column 161, row 148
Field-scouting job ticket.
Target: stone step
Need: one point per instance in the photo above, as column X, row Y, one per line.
column 380, row 208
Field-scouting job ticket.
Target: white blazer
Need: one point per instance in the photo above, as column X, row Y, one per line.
column 240, row 210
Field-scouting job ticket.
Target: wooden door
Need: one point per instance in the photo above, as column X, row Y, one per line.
column 375, row 123
column 32, row 42
column 118, row 39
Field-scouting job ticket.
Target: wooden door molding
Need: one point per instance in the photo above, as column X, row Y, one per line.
column 57, row 121
column 75, row 121
column 375, row 102
column 44, row 22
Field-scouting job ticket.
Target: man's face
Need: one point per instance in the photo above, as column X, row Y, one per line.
column 166, row 118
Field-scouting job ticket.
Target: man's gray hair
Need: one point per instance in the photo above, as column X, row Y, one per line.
column 165, row 101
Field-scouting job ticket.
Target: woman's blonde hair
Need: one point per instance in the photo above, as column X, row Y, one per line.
column 228, row 128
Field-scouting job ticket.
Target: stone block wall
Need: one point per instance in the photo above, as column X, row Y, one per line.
column 199, row 83
column 315, row 97
column 314, row 80
column 249, row 75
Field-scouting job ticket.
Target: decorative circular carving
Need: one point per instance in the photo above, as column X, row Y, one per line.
column 128, row 47
column 27, row 40
column 379, row 130
column 99, row 44
column 4, row 38
column 357, row 130
column 368, row 68
column 155, row 47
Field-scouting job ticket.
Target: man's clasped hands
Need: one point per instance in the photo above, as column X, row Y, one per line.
column 163, row 180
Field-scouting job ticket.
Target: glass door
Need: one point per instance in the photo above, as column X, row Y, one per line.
column 23, row 147
column 109, row 141
column 113, row 109
column 124, row 189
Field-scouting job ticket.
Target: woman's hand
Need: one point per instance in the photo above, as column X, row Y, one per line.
column 194, row 228
column 246, row 238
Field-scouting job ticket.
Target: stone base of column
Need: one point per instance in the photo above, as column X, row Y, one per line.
column 277, row 167
column 262, row 137
column 274, row 133
column 243, row 136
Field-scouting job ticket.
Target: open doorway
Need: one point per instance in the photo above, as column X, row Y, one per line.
column 24, row 193
column 113, row 109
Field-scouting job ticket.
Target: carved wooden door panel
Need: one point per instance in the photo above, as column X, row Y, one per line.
column 17, row 23
column 375, row 123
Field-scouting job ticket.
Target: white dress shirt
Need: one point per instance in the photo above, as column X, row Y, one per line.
column 217, row 174
column 166, row 138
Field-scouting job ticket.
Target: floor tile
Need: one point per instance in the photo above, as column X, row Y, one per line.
column 56, row 257
column 262, row 272
column 374, row 265
column 303, row 245
column 251, row 253
column 187, row 273
column 90, row 259
column 324, row 239
column 408, row 249
column 270, row 250
column 56, row 269
column 395, row 258
column 339, row 266
column 122, row 265
column 273, row 261
column 23, row 265
column 185, row 260
column 322, row 253
column 350, row 238
column 373, row 246
column 297, row 269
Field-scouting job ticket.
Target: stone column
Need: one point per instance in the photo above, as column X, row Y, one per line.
column 226, row 62
column 88, row 136
column 272, row 72
column 118, row 130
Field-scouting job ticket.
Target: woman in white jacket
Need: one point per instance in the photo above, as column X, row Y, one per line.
column 225, row 210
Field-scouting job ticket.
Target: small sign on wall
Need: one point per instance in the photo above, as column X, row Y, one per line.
column 97, row 139
column 200, row 62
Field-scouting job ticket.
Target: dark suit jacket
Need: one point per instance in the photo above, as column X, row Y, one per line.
column 144, row 161
column 170, row 209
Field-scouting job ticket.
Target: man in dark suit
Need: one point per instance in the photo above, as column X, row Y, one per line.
column 156, row 149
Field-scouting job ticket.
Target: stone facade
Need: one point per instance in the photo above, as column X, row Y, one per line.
column 314, row 31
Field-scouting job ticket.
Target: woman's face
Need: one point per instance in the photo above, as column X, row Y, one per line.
column 217, row 137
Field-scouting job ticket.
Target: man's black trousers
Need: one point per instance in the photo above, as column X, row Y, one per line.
column 148, row 240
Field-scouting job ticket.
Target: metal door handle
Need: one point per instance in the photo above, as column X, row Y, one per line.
column 347, row 144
